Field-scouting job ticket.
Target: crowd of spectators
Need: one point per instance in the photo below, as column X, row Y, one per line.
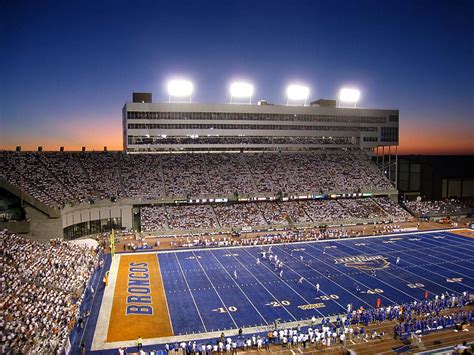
column 392, row 208
column 26, row 171
column 325, row 210
column 266, row 214
column 42, row 288
column 68, row 169
column 244, row 141
column 273, row 214
column 434, row 208
column 229, row 174
column 191, row 217
column 153, row 218
column 362, row 208
column 269, row 238
column 184, row 175
column 239, row 214
column 57, row 178
column 144, row 176
column 104, row 172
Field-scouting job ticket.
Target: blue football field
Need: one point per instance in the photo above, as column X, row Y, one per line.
column 224, row 288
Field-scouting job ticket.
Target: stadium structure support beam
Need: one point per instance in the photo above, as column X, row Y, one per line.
column 385, row 164
column 396, row 167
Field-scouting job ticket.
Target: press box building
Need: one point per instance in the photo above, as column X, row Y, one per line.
column 195, row 127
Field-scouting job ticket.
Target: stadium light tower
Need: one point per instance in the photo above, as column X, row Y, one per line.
column 350, row 96
column 297, row 93
column 241, row 90
column 180, row 88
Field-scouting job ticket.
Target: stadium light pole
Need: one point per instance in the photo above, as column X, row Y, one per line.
column 241, row 90
column 297, row 93
column 180, row 88
column 350, row 96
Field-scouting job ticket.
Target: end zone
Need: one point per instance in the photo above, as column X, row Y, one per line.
column 134, row 304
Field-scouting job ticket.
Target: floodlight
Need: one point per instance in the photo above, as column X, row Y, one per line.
column 241, row 89
column 349, row 95
column 297, row 92
column 180, row 88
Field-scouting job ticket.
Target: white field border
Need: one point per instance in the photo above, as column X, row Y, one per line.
column 102, row 324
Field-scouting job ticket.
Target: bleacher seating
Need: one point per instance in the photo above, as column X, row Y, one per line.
column 265, row 214
column 437, row 208
column 42, row 288
column 61, row 177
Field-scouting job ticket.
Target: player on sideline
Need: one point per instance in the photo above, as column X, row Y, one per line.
column 258, row 261
column 317, row 289
column 235, row 274
column 398, row 260
column 281, row 274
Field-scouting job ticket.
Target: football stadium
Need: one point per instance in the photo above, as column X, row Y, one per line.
column 223, row 228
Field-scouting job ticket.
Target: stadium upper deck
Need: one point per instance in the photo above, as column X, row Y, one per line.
column 58, row 178
column 164, row 127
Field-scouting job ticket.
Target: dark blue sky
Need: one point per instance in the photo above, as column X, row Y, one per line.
column 67, row 67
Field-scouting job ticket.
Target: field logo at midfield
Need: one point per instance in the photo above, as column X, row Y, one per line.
column 364, row 262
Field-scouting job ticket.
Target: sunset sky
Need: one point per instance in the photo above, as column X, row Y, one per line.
column 67, row 67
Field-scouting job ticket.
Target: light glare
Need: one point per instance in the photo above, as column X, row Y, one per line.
column 241, row 89
column 180, row 88
column 349, row 95
column 297, row 92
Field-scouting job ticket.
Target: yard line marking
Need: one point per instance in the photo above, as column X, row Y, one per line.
column 215, row 290
column 449, row 233
column 442, row 245
column 359, row 282
column 344, row 308
column 166, row 299
column 452, row 260
column 291, row 288
column 430, row 271
column 271, row 294
column 410, row 273
column 194, row 301
column 445, row 262
column 462, row 244
column 248, row 299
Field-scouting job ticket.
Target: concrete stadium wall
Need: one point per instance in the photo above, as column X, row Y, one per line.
column 86, row 212
column 26, row 197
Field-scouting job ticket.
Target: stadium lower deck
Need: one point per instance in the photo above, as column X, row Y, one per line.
column 172, row 296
